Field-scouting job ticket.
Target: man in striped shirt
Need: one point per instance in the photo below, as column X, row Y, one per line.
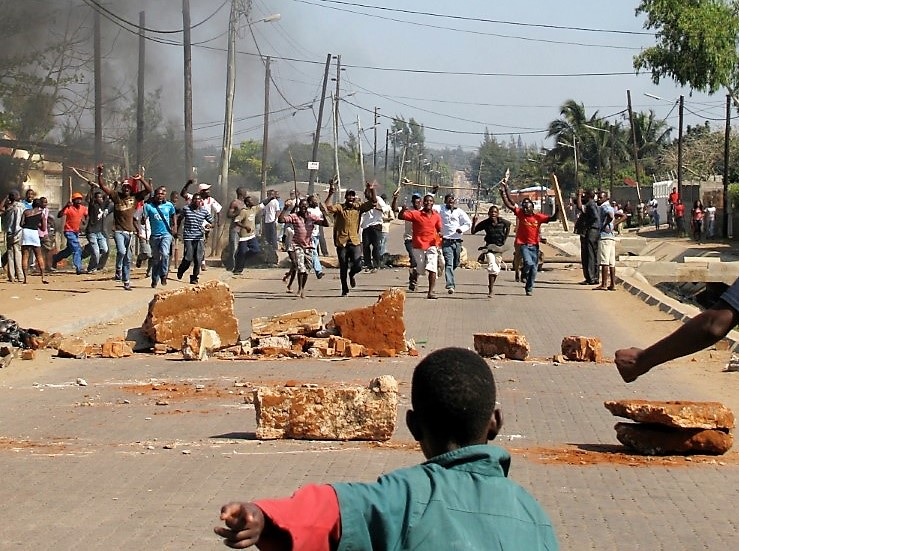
column 193, row 218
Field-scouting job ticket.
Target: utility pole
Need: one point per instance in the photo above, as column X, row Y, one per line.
column 188, row 154
column 727, row 217
column 97, row 48
column 311, row 188
column 265, row 127
column 363, row 177
column 375, row 136
column 635, row 146
column 385, row 171
column 335, row 116
column 140, row 102
column 230, row 87
column 679, row 146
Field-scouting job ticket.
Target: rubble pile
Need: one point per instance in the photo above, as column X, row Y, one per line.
column 674, row 427
column 314, row 412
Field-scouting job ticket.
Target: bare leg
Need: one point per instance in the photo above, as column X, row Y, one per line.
column 491, row 279
column 603, row 278
column 431, row 276
column 301, row 283
column 612, row 278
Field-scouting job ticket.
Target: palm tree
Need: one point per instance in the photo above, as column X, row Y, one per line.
column 652, row 135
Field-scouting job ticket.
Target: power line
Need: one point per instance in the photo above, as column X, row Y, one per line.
column 515, row 23
column 104, row 11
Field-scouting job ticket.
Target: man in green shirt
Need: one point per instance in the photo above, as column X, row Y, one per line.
column 458, row 499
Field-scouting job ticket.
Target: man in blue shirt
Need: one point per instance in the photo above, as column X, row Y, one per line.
column 162, row 218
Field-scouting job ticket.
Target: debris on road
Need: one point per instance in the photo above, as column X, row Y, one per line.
column 674, row 427
column 343, row 412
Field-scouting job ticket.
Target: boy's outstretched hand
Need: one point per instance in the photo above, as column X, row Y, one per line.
column 243, row 524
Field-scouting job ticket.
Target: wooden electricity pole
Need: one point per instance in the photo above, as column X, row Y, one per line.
column 140, row 101
column 188, row 154
column 97, row 48
column 311, row 186
column 265, row 127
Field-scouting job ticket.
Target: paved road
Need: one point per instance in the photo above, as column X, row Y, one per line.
column 103, row 466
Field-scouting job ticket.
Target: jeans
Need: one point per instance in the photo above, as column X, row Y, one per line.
column 655, row 216
column 371, row 246
column 451, row 253
column 589, row 244
column 123, row 242
column 73, row 247
column 193, row 251
column 350, row 259
column 317, row 265
column 383, row 239
column 529, row 254
column 710, row 227
column 99, row 246
column 270, row 233
column 14, row 268
column 161, row 256
column 248, row 247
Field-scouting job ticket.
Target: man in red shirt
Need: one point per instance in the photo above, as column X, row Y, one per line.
column 74, row 214
column 679, row 211
column 671, row 206
column 427, row 231
column 527, row 234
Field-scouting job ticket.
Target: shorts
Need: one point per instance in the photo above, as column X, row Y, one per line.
column 427, row 260
column 494, row 263
column 303, row 259
column 606, row 252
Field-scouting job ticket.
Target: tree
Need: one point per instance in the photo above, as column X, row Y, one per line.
column 698, row 44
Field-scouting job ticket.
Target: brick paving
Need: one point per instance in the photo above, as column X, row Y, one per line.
column 101, row 466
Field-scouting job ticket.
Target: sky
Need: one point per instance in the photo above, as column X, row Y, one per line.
column 436, row 62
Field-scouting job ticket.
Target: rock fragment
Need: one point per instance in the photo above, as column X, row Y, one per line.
column 680, row 414
column 582, row 349
column 376, row 327
column 200, row 344
column 173, row 314
column 651, row 439
column 343, row 412
column 508, row 342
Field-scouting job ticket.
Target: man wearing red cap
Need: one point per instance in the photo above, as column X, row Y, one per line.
column 73, row 214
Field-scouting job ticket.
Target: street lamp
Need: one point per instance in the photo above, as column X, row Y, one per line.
column 231, row 87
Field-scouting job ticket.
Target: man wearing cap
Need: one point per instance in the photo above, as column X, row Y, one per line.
column 209, row 205
column 74, row 214
column 126, row 201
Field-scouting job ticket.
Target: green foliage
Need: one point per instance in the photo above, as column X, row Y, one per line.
column 246, row 162
column 697, row 43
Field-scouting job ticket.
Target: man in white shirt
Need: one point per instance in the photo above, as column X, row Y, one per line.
column 371, row 235
column 455, row 222
column 271, row 208
column 710, row 217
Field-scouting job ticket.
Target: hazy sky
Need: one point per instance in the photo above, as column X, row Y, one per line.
column 439, row 64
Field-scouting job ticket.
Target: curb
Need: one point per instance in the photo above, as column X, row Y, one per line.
column 110, row 314
column 636, row 285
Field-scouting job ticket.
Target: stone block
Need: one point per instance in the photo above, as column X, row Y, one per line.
column 508, row 342
column 378, row 326
column 71, row 347
column 678, row 414
column 304, row 322
column 354, row 350
column 280, row 341
column 199, row 344
column 582, row 349
column 173, row 314
column 116, row 348
column 662, row 440
column 342, row 412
